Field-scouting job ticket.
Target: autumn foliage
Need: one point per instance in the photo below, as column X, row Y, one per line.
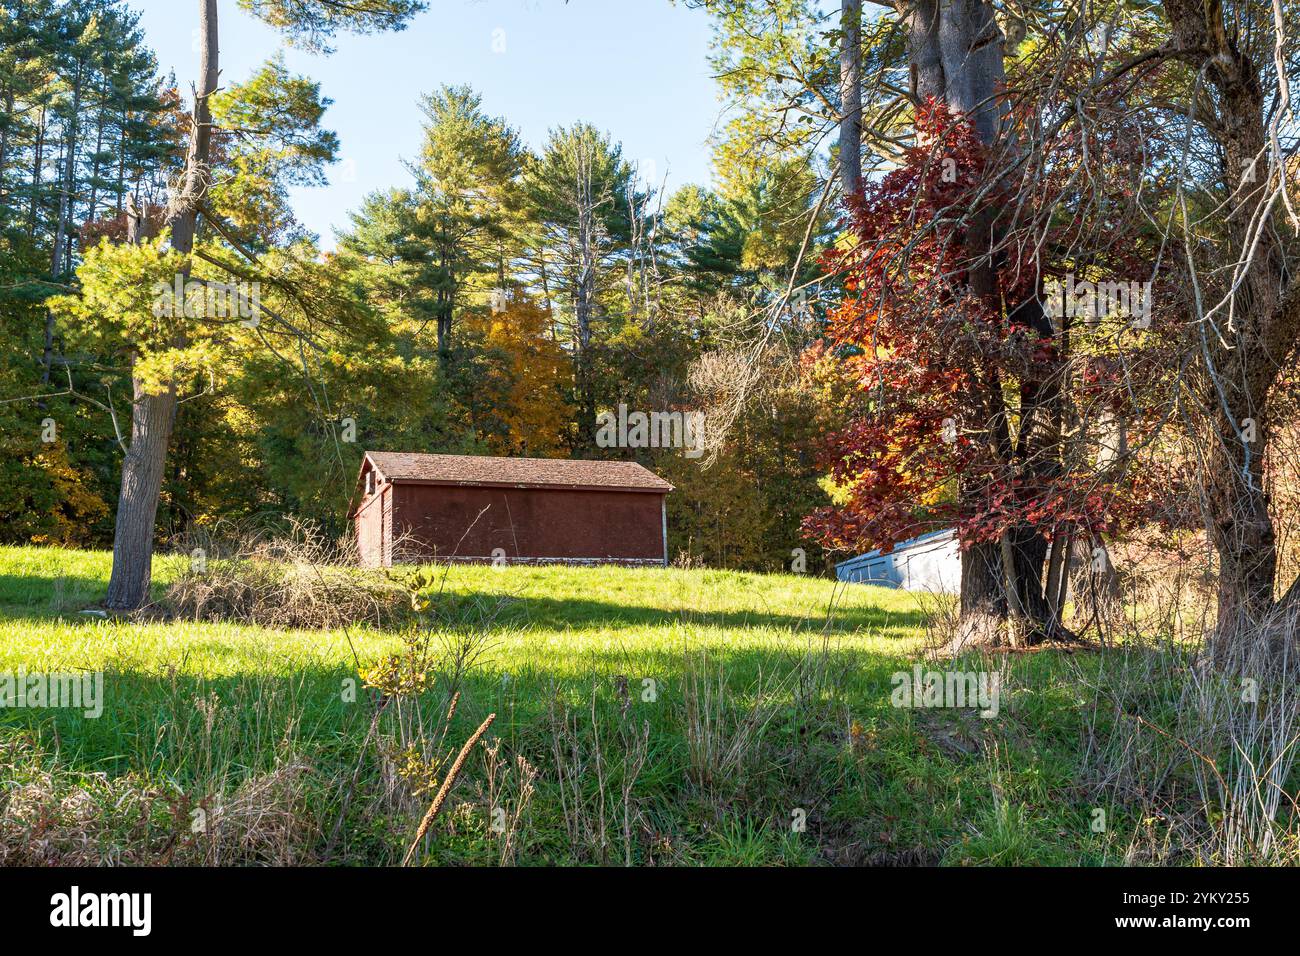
column 965, row 382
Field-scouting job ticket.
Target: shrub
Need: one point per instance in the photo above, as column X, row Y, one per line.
column 296, row 579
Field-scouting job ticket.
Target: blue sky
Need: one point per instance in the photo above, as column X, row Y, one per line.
column 635, row 68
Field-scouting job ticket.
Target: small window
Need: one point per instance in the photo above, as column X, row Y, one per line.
column 370, row 483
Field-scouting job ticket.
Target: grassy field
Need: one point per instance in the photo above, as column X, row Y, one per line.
column 666, row 717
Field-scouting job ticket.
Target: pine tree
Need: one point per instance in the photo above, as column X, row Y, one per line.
column 581, row 194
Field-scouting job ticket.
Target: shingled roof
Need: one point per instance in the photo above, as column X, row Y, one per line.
column 516, row 472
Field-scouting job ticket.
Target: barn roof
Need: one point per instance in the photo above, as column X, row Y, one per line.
column 516, row 472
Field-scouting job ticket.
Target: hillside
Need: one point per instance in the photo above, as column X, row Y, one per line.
column 661, row 716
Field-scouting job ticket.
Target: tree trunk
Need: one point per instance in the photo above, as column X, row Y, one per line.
column 586, row 392
column 445, row 307
column 983, row 597
column 67, row 184
column 584, row 292
column 122, row 140
column 38, row 159
column 101, row 119
column 1058, row 575
column 153, row 415
column 1241, row 529
column 56, row 270
column 1037, row 460
column 956, row 50
column 851, row 96
column 1265, row 321
column 956, row 57
column 4, row 145
column 66, row 177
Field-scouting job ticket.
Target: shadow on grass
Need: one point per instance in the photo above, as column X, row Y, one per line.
column 588, row 613
column 46, row 598
column 162, row 720
column 35, row 595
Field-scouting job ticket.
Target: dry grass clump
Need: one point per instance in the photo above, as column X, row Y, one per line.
column 297, row 578
column 267, row 820
column 1206, row 745
column 58, row 819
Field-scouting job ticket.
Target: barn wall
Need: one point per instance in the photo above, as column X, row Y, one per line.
column 530, row 523
column 386, row 522
column 369, row 524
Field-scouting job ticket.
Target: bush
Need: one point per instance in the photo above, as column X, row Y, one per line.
column 295, row 579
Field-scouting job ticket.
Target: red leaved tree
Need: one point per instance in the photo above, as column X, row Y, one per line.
column 980, row 416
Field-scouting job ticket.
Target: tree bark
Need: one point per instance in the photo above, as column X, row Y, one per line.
column 983, row 598
column 1058, row 574
column 1241, row 529
column 584, row 292
column 152, row 416
column 955, row 51
column 38, row 167
column 100, row 121
column 4, row 144
column 851, row 96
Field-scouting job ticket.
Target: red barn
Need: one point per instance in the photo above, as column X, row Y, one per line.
column 470, row 508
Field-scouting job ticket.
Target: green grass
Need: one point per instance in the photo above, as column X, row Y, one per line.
column 193, row 708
